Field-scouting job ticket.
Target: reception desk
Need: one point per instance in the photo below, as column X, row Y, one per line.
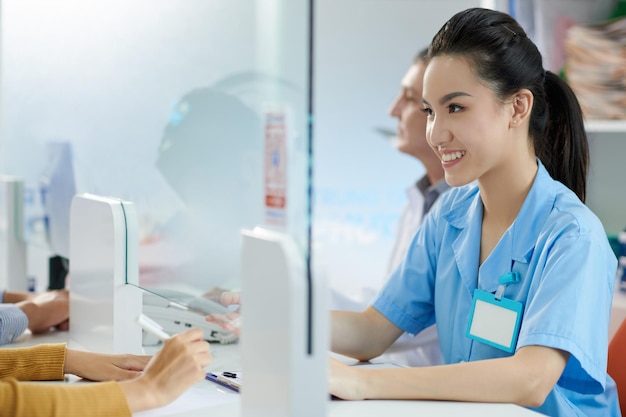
column 209, row 399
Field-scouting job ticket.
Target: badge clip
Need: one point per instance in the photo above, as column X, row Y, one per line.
column 504, row 280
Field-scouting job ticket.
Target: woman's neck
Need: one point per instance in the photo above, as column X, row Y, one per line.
column 503, row 192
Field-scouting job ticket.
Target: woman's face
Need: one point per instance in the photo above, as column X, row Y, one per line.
column 467, row 126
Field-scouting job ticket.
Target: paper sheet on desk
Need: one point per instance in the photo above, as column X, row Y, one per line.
column 193, row 399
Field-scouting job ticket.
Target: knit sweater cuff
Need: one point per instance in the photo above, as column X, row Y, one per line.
column 43, row 362
column 100, row 399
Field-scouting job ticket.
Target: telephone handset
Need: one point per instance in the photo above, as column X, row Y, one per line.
column 181, row 311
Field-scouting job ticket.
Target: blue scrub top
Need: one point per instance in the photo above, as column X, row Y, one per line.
column 567, row 272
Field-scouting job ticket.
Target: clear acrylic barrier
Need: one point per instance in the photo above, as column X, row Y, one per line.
column 196, row 111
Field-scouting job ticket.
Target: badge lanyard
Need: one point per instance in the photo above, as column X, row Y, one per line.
column 494, row 319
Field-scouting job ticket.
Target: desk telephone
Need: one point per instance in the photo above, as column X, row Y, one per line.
column 181, row 311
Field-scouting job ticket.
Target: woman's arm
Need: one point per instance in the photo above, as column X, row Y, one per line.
column 172, row 370
column 35, row 363
column 525, row 378
column 102, row 366
column 362, row 335
column 103, row 399
column 49, row 362
column 148, row 382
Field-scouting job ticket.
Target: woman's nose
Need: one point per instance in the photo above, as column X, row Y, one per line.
column 436, row 132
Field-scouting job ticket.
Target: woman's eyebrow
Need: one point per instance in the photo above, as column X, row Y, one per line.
column 449, row 97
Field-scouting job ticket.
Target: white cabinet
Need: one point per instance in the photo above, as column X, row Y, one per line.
column 606, row 185
column 606, row 126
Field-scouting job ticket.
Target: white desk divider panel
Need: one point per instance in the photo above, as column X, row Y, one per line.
column 284, row 338
column 12, row 243
column 104, row 297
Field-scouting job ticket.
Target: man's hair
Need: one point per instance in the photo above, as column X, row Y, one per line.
column 421, row 56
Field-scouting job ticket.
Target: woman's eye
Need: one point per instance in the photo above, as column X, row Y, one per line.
column 454, row 108
column 428, row 111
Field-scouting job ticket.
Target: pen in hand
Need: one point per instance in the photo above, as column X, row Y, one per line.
column 152, row 327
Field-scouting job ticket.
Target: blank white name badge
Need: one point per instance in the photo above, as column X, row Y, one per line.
column 493, row 321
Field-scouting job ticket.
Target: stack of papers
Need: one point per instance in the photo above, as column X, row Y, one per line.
column 595, row 68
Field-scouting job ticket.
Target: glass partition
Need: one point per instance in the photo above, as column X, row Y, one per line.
column 196, row 111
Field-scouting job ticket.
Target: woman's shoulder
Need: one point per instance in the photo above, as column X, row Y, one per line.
column 568, row 208
column 565, row 211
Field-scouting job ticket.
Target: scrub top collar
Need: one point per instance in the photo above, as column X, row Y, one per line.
column 517, row 243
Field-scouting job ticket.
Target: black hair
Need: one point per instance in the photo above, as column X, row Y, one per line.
column 506, row 60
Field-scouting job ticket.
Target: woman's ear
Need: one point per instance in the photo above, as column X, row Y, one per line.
column 522, row 106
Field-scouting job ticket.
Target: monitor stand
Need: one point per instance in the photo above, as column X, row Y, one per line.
column 104, row 295
column 284, row 337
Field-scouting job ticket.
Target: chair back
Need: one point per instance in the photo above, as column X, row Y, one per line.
column 617, row 363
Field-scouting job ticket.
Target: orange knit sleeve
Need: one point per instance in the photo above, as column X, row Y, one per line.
column 43, row 362
column 28, row 399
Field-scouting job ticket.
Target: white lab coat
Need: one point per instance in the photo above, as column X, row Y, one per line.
column 422, row 349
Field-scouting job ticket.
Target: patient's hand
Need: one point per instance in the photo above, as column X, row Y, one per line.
column 230, row 321
column 228, row 298
column 214, row 294
column 47, row 310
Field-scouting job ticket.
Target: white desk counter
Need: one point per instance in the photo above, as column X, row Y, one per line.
column 209, row 399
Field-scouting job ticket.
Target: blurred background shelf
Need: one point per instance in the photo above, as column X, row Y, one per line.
column 605, row 126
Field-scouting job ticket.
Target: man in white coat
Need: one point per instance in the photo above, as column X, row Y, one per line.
column 423, row 349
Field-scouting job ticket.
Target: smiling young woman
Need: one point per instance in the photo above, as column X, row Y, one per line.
column 512, row 237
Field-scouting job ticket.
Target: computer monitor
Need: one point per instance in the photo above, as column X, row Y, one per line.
column 57, row 187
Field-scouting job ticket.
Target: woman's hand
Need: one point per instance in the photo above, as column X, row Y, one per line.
column 344, row 381
column 173, row 369
column 102, row 366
